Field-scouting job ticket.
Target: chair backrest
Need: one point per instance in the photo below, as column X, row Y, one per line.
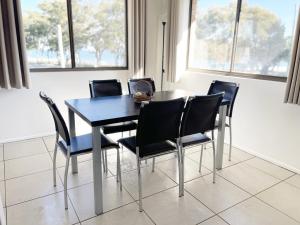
column 59, row 121
column 102, row 88
column 200, row 114
column 146, row 85
column 159, row 121
column 229, row 88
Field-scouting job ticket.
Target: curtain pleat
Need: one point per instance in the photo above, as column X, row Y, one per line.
column 139, row 39
column 14, row 71
column 293, row 83
column 173, row 40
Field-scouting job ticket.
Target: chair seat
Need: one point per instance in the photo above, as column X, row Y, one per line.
column 83, row 144
column 217, row 124
column 194, row 139
column 149, row 150
column 119, row 127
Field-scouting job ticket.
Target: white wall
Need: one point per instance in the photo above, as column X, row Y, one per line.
column 157, row 11
column 262, row 123
column 23, row 115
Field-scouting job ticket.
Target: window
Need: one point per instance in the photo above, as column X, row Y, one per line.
column 245, row 37
column 75, row 34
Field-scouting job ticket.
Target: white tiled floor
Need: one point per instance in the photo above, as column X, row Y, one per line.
column 248, row 191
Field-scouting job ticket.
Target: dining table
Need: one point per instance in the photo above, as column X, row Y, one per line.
column 101, row 111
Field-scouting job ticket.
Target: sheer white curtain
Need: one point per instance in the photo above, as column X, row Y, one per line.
column 293, row 84
column 14, row 72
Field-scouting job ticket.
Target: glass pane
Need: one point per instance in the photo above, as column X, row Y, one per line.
column 265, row 36
column 46, row 33
column 211, row 37
column 99, row 33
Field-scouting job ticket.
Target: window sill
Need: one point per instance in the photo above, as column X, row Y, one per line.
column 78, row 69
column 241, row 75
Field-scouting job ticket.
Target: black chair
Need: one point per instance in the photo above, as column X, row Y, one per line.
column 74, row 146
column 198, row 118
column 158, row 122
column 103, row 88
column 230, row 89
column 145, row 85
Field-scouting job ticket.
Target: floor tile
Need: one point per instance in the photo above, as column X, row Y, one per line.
column 165, row 157
column 1, row 152
column 2, row 176
column 207, row 159
column 152, row 182
column 84, row 175
column 255, row 212
column 214, row 221
column 49, row 210
column 294, row 180
column 167, row 208
column 270, row 168
column 3, row 193
column 244, row 176
column 28, row 165
column 83, row 198
column 126, row 215
column 20, row 149
column 50, row 142
column 191, row 169
column 236, row 154
column 127, row 159
column 284, row 197
column 30, row 187
column 218, row 196
column 61, row 159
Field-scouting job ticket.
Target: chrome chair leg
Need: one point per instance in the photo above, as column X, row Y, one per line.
column 201, row 156
column 103, row 161
column 54, row 160
column 119, row 172
column 139, row 180
column 214, row 158
column 230, row 139
column 106, row 165
column 122, row 135
column 66, row 182
column 180, row 169
column 153, row 164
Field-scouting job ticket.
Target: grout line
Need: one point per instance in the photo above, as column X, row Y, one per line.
column 216, row 214
column 278, row 210
column 26, row 156
column 255, row 196
column 5, row 188
column 270, row 173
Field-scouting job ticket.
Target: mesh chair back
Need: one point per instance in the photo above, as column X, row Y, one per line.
column 229, row 88
column 60, row 124
column 200, row 114
column 159, row 121
column 102, row 88
column 145, row 85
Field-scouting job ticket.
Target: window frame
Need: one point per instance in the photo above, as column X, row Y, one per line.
column 229, row 73
column 72, row 48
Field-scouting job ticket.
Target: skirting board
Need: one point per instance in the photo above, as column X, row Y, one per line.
column 271, row 160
